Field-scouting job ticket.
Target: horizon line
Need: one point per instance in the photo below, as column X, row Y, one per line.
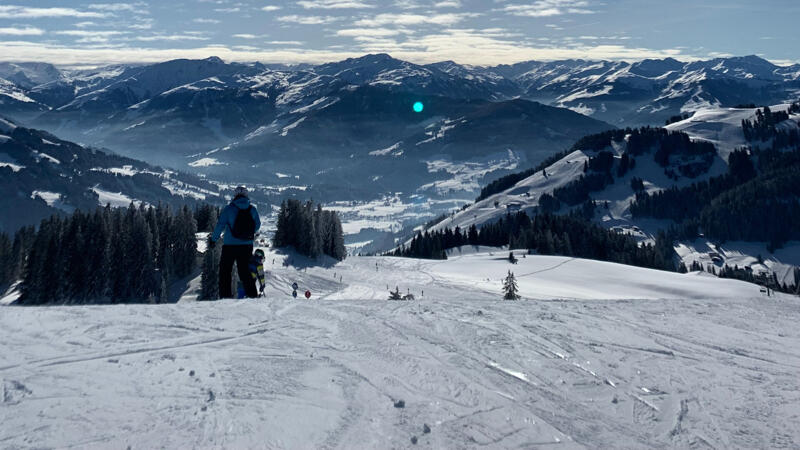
column 345, row 56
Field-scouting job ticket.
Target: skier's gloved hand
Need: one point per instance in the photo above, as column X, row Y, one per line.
column 211, row 243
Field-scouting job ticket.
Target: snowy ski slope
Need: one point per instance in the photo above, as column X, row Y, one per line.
column 720, row 126
column 597, row 355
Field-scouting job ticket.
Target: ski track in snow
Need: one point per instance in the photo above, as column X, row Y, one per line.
column 714, row 366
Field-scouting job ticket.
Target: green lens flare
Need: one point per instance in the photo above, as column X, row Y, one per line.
column 418, row 107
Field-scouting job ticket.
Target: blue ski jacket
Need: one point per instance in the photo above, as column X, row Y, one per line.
column 228, row 216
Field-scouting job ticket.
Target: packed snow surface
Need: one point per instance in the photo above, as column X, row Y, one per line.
column 596, row 355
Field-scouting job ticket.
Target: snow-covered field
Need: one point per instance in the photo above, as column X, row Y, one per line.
column 597, row 355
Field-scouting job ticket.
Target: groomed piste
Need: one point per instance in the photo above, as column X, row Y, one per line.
column 595, row 355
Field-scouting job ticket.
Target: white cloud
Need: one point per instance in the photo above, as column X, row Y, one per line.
column 407, row 4
column 356, row 32
column 413, row 19
column 27, row 12
column 202, row 20
column 228, row 10
column 547, row 8
column 307, row 20
column 27, row 31
column 87, row 33
column 246, row 48
column 294, row 43
column 448, row 4
column 333, row 4
column 269, row 8
column 188, row 36
column 245, row 36
column 136, row 8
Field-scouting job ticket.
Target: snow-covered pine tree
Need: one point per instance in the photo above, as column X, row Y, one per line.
column 510, row 289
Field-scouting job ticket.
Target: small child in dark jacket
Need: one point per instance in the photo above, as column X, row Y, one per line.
column 257, row 269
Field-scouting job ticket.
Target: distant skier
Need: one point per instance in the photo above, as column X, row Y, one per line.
column 239, row 222
column 256, row 267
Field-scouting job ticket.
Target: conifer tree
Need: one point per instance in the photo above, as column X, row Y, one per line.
column 209, row 279
column 6, row 258
column 510, row 290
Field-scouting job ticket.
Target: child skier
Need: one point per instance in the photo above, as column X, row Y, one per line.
column 257, row 269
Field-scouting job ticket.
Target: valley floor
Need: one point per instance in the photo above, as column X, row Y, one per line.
column 596, row 356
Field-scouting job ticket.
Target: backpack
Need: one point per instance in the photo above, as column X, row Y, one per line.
column 244, row 227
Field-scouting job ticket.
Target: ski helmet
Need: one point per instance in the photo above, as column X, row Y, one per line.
column 260, row 254
column 240, row 191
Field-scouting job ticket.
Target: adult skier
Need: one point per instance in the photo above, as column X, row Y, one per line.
column 239, row 222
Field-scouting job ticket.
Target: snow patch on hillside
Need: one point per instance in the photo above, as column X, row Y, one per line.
column 7, row 161
column 40, row 156
column 115, row 199
column 291, row 126
column 49, row 197
column 386, row 151
column 206, row 162
column 466, row 176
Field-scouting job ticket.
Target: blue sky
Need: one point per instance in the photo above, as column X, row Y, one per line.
column 483, row 32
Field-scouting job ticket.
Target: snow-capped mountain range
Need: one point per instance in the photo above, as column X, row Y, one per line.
column 179, row 112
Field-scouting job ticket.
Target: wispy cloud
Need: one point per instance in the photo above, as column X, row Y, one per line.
column 26, row 31
column 307, row 20
column 136, row 8
column 285, row 43
column 547, row 8
column 27, row 12
column 245, row 36
column 202, row 20
column 356, row 32
column 448, row 4
column 84, row 33
column 413, row 19
column 188, row 36
column 333, row 4
column 270, row 8
column 407, row 4
column 93, row 36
